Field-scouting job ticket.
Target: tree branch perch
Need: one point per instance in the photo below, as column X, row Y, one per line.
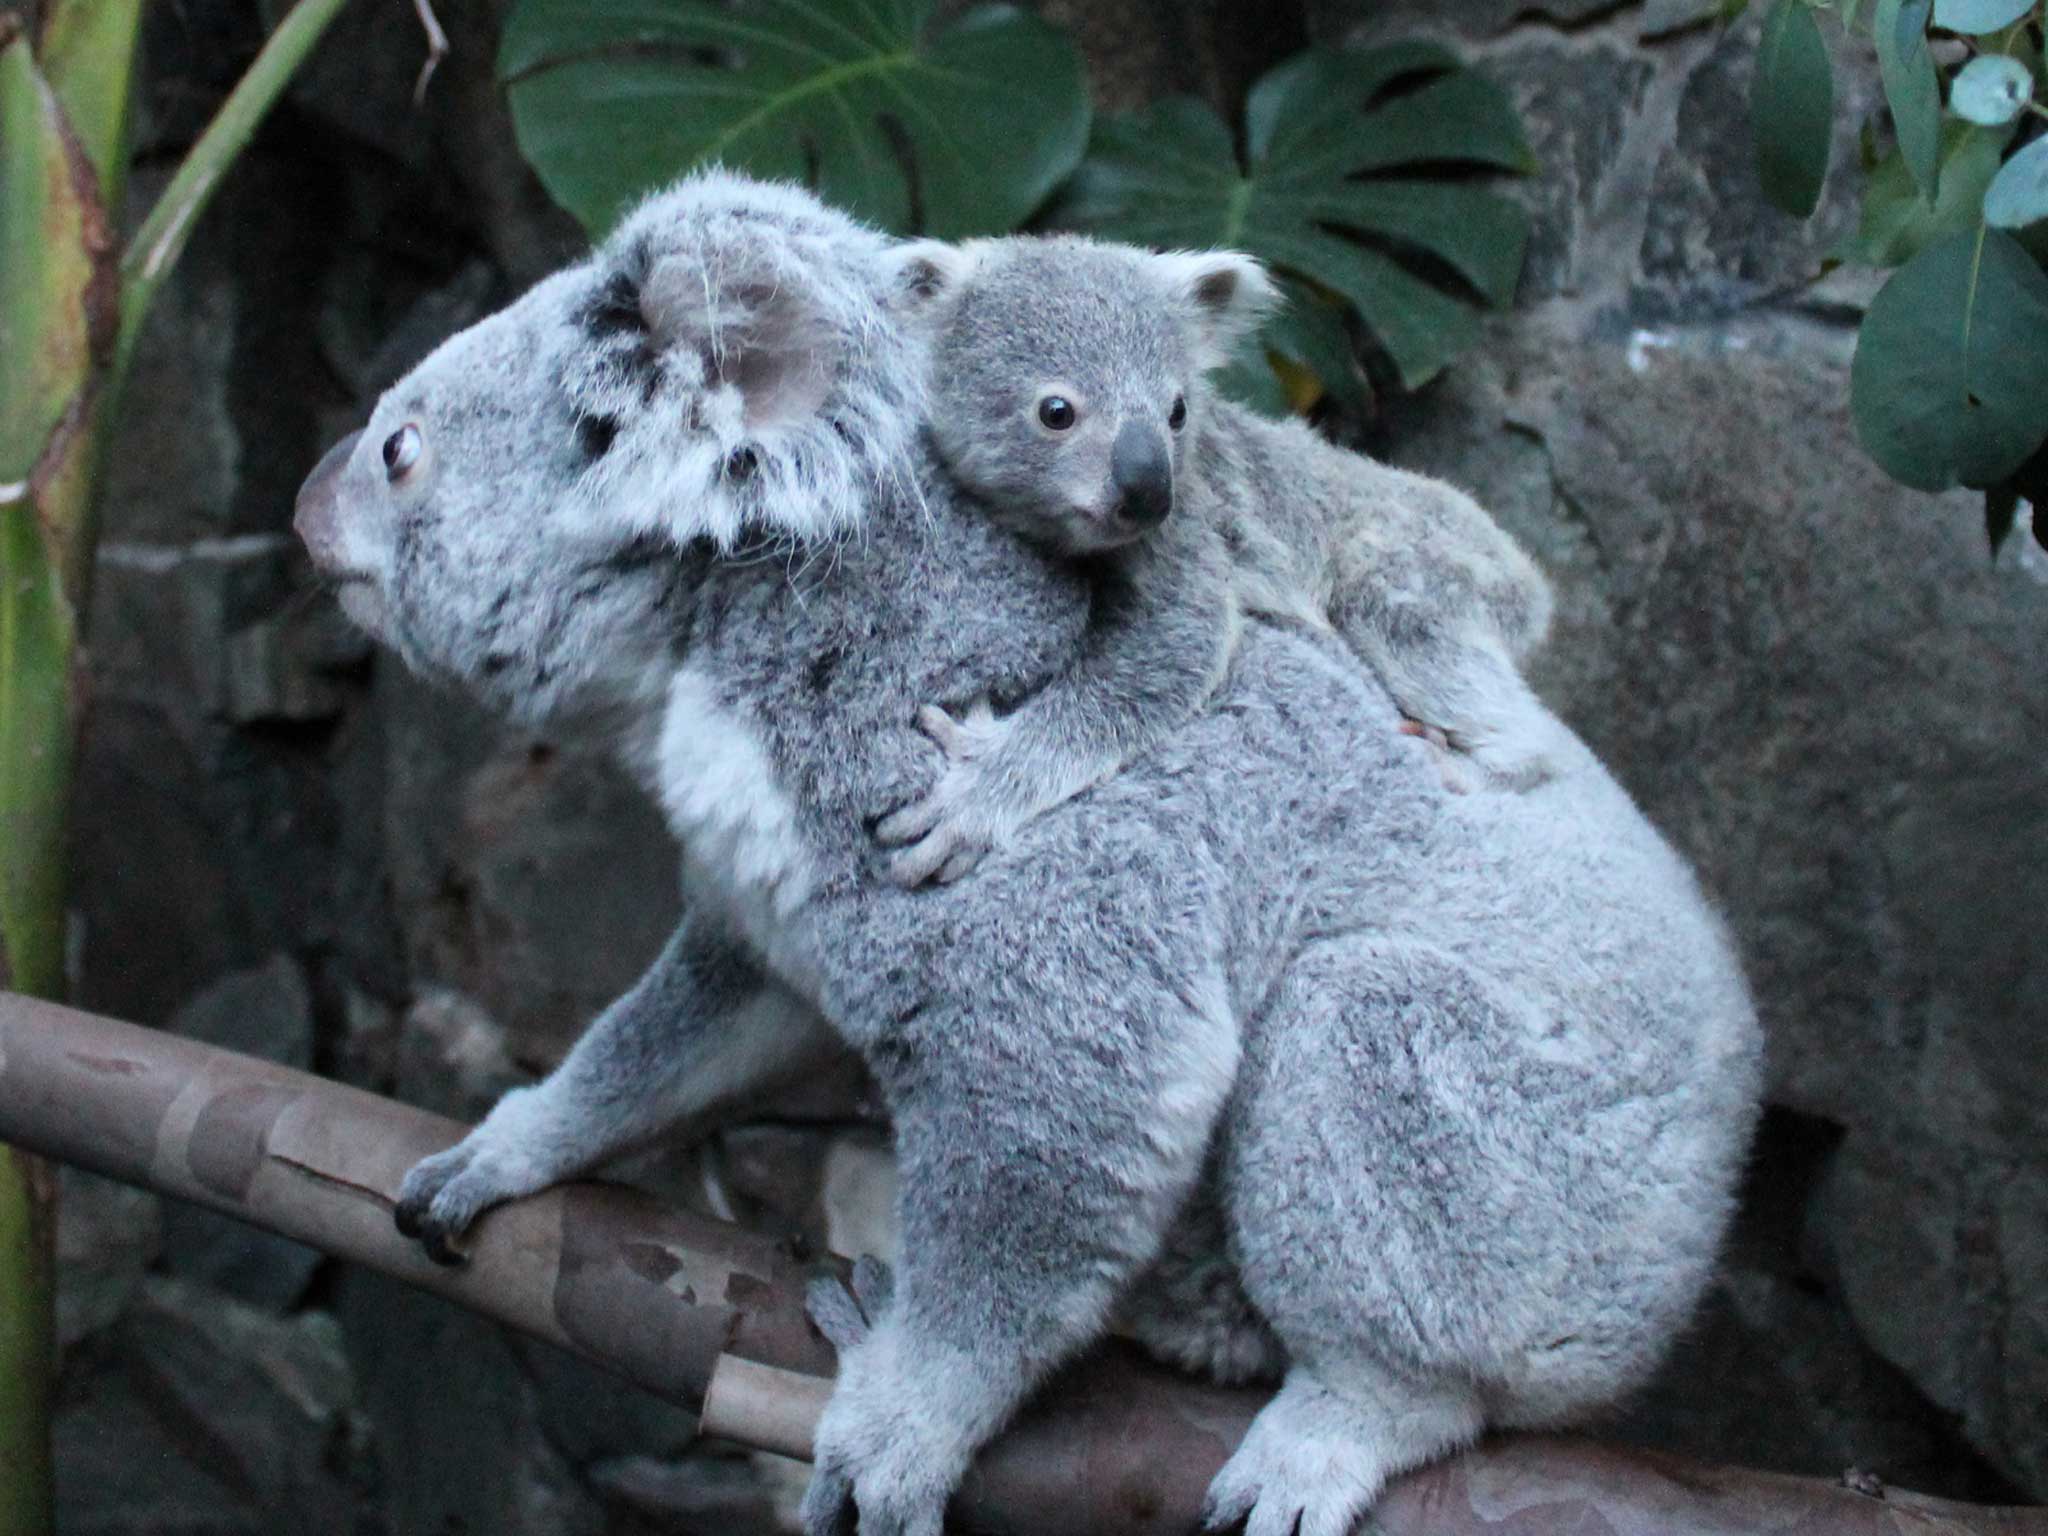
column 711, row 1316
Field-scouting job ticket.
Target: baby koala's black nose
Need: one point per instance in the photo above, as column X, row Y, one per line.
column 1142, row 472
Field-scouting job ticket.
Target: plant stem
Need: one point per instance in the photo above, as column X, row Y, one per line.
column 156, row 245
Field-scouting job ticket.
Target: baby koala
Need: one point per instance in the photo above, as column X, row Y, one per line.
column 1069, row 398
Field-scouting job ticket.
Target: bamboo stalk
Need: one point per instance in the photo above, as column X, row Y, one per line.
column 710, row 1316
column 68, row 323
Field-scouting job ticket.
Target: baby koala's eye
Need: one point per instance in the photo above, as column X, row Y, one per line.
column 1178, row 416
column 1056, row 412
column 402, row 451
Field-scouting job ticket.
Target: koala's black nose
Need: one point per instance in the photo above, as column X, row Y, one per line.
column 314, row 514
column 1142, row 472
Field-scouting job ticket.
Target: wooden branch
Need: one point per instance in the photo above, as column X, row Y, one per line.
column 711, row 1316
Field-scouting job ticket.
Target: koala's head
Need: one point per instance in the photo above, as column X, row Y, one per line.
column 1066, row 374
column 726, row 373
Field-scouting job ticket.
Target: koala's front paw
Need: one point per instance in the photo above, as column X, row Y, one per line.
column 441, row 1198
column 944, row 835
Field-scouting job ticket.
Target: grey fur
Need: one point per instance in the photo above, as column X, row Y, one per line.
column 1444, row 1094
column 1416, row 578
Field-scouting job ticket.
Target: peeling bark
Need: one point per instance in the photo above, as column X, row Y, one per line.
column 711, row 1316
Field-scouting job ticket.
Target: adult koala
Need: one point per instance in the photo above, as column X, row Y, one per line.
column 1432, row 1102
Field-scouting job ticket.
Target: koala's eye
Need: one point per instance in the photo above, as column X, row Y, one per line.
column 1178, row 416
column 1056, row 412
column 402, row 451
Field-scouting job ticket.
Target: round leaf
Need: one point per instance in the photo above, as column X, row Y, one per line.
column 1950, row 382
column 2018, row 194
column 951, row 131
column 1991, row 90
column 1979, row 16
column 1346, row 188
column 1792, row 108
column 1911, row 89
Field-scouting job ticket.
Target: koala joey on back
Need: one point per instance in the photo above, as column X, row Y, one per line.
column 1428, row 1106
column 1069, row 399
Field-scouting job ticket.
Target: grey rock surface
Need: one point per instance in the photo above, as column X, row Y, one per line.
column 202, row 1415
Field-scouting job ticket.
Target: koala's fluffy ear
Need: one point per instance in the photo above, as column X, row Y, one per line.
column 756, row 331
column 928, row 276
column 1228, row 294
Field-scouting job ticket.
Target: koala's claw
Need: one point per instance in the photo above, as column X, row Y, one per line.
column 443, row 1195
column 424, row 1213
column 828, row 1504
column 958, row 739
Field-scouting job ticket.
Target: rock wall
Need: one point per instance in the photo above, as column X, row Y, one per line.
column 1815, row 680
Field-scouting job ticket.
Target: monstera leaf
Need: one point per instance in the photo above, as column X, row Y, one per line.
column 953, row 130
column 1357, row 182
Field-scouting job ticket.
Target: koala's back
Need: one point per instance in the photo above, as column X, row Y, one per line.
column 1304, row 518
column 1499, row 1060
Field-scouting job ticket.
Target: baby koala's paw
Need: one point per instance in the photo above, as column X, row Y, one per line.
column 1512, row 765
column 1459, row 775
column 944, row 835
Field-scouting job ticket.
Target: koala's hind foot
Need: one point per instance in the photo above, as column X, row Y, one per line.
column 1317, row 1456
column 903, row 1422
column 846, row 1311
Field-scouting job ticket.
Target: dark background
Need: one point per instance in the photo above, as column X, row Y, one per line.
column 1816, row 681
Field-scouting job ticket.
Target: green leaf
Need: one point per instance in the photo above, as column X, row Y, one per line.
column 1950, row 382
column 1309, row 333
column 1911, row 89
column 1897, row 222
column 1345, row 188
column 1991, row 90
column 1979, row 16
column 1792, row 108
column 2018, row 194
column 961, row 129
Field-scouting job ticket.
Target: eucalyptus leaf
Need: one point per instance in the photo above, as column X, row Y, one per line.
column 949, row 130
column 1896, row 222
column 1911, row 88
column 2018, row 194
column 1792, row 108
column 1343, row 186
column 1991, row 90
column 1950, row 381
column 1979, row 16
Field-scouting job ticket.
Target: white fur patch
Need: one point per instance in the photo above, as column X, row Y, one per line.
column 741, row 844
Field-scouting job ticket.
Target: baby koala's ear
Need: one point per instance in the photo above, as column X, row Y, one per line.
column 1228, row 294
column 927, row 277
column 754, row 329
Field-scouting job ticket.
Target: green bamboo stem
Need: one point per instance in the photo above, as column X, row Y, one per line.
column 155, row 248
column 87, row 52
column 60, row 381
